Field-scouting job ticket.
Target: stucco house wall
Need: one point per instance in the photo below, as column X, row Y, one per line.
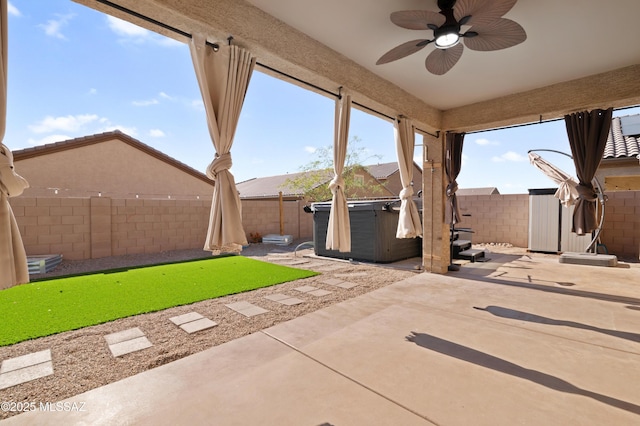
column 394, row 184
column 108, row 165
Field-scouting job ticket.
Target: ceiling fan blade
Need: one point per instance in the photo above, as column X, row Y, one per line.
column 417, row 19
column 482, row 12
column 442, row 60
column 405, row 49
column 501, row 34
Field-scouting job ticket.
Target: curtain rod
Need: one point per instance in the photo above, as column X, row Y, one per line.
column 514, row 126
column 215, row 46
column 539, row 122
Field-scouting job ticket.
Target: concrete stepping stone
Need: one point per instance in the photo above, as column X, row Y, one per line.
column 127, row 341
column 272, row 258
column 25, row 368
column 299, row 262
column 289, row 261
column 247, row 309
column 347, row 285
column 284, row 299
column 193, row 322
column 314, row 291
column 339, row 283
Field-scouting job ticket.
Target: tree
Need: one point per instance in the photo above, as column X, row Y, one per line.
column 313, row 183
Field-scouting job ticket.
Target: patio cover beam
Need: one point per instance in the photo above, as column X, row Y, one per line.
column 278, row 46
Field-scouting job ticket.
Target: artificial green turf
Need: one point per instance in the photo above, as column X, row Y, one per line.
column 47, row 307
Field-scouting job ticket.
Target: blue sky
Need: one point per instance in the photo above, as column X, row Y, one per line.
column 75, row 72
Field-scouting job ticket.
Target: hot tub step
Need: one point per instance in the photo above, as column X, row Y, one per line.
column 474, row 255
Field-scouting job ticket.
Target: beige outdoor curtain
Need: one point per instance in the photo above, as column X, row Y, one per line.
column 409, row 225
column 13, row 259
column 223, row 76
column 339, row 228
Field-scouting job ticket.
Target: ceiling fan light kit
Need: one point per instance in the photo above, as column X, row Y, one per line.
column 489, row 31
column 447, row 40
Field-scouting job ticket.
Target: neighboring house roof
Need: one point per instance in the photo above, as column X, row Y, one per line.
column 50, row 148
column 623, row 141
column 384, row 170
column 269, row 186
column 478, row 191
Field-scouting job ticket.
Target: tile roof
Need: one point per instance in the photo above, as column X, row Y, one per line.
column 620, row 145
column 270, row 186
column 478, row 191
column 382, row 171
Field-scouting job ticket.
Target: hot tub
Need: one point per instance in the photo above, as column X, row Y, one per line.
column 373, row 232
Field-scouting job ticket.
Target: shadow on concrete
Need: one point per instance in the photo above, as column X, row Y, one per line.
column 525, row 316
column 485, row 360
column 492, row 276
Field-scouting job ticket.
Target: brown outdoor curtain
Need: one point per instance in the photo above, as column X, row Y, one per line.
column 223, row 76
column 13, row 259
column 339, row 228
column 587, row 133
column 453, row 164
column 409, row 225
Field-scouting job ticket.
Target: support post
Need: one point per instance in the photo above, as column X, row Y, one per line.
column 435, row 243
column 281, row 213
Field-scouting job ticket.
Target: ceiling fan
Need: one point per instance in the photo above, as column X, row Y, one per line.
column 489, row 31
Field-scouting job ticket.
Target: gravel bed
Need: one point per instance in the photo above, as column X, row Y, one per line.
column 82, row 360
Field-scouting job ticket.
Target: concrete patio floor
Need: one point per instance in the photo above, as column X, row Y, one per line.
column 518, row 340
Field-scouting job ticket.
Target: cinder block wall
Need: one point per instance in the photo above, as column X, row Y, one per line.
column 263, row 216
column 496, row 218
column 54, row 225
column 151, row 226
column 621, row 231
column 85, row 228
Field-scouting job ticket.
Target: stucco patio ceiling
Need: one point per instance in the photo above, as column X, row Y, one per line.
column 578, row 54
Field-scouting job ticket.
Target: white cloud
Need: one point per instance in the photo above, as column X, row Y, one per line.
column 509, row 156
column 132, row 33
column 12, row 10
column 92, row 91
column 53, row 27
column 165, row 96
column 48, row 139
column 131, row 131
column 126, row 29
column 310, row 149
column 166, row 41
column 197, row 104
column 81, row 124
column 156, row 133
column 483, row 142
column 69, row 123
column 145, row 103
